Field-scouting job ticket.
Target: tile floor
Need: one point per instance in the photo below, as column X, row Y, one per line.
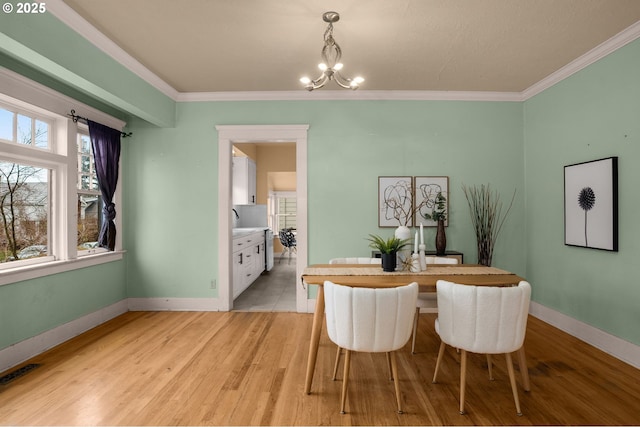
column 272, row 291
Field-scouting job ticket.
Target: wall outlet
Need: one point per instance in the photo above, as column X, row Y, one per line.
column 213, row 284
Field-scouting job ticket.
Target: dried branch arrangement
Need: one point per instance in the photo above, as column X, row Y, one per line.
column 485, row 208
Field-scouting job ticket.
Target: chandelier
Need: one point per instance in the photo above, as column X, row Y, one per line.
column 331, row 65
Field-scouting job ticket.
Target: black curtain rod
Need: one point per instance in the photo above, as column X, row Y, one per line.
column 75, row 119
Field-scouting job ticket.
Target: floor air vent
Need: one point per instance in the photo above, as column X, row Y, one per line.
column 6, row 379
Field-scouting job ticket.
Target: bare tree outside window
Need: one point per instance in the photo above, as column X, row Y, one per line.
column 24, row 192
column 23, row 211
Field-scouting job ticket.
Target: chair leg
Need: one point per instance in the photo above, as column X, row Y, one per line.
column 394, row 369
column 489, row 364
column 390, row 368
column 345, row 380
column 524, row 370
column 415, row 330
column 440, row 354
column 463, row 379
column 514, row 388
column 335, row 367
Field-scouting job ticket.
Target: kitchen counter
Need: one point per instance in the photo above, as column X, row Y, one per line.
column 239, row 232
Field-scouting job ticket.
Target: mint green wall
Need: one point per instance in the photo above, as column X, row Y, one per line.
column 49, row 47
column 172, row 179
column 170, row 195
column 35, row 306
column 591, row 115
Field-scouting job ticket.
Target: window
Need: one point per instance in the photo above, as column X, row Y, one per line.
column 47, row 176
column 20, row 128
column 24, row 211
column 282, row 210
column 24, row 187
column 89, row 198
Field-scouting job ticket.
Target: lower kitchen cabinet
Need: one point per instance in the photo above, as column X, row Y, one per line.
column 248, row 261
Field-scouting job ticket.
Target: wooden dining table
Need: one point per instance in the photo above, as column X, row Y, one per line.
column 372, row 276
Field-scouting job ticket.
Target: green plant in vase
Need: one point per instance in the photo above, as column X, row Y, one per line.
column 388, row 249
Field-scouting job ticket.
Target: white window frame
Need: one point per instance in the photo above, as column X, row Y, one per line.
column 273, row 207
column 36, row 100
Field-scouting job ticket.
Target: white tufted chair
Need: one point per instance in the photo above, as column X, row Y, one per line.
column 375, row 320
column 427, row 300
column 355, row 260
column 482, row 319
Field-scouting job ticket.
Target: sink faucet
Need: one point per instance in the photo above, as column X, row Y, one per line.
column 236, row 212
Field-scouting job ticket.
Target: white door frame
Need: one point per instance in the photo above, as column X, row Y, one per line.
column 227, row 136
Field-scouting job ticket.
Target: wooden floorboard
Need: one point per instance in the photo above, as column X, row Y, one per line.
column 244, row 368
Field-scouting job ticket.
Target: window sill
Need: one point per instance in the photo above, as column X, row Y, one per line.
column 54, row 267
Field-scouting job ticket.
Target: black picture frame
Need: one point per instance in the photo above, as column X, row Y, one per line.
column 591, row 204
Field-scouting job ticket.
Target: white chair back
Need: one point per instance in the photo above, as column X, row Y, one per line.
column 441, row 260
column 483, row 319
column 370, row 319
column 355, row 260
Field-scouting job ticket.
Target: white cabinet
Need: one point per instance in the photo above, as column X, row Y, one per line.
column 244, row 181
column 248, row 260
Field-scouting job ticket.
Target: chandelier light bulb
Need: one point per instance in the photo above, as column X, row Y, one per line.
column 331, row 65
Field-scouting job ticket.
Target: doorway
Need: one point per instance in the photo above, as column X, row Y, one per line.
column 274, row 189
column 227, row 136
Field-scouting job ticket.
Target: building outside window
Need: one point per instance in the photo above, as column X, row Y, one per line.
column 89, row 198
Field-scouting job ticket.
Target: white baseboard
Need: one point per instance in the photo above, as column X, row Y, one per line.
column 26, row 349
column 173, row 304
column 616, row 347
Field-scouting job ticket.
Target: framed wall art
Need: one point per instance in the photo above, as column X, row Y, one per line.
column 591, row 204
column 426, row 193
column 395, row 201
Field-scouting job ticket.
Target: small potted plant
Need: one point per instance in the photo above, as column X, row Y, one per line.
column 439, row 215
column 388, row 249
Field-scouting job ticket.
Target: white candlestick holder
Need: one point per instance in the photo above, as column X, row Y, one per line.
column 415, row 263
column 423, row 258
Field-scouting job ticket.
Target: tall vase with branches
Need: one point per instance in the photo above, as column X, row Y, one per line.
column 487, row 217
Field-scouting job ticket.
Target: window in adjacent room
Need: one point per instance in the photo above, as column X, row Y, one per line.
column 283, row 210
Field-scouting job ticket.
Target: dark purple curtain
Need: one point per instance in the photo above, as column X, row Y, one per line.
column 105, row 142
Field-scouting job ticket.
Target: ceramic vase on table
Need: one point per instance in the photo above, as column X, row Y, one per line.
column 441, row 239
column 403, row 233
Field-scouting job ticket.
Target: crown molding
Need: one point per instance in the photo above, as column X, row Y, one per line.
column 77, row 23
column 603, row 49
column 359, row 95
column 73, row 20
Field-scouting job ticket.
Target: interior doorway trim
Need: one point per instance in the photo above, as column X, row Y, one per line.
column 227, row 136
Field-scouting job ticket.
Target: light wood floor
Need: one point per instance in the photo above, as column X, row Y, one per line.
column 243, row 368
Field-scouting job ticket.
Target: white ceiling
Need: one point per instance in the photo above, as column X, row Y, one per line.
column 407, row 45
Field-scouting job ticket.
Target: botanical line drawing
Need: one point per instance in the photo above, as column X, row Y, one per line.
column 397, row 202
column 429, row 193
